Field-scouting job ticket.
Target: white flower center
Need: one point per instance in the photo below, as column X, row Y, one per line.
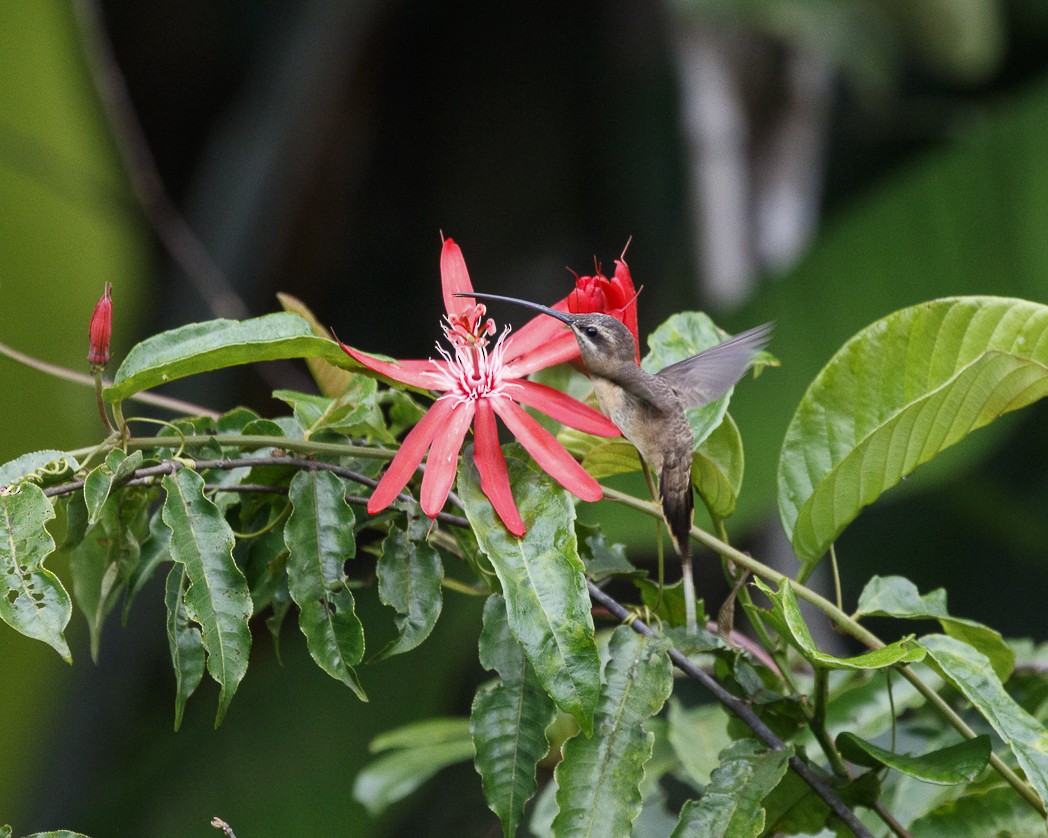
column 473, row 372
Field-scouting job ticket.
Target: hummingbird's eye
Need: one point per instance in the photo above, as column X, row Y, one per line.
column 592, row 331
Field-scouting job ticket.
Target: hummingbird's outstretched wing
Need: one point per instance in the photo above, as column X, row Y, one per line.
column 707, row 376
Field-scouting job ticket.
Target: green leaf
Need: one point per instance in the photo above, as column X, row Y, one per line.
column 960, row 763
column 999, row 813
column 32, row 599
column 896, row 596
column 419, row 750
column 183, row 640
column 698, row 735
column 598, row 780
column 215, row 344
column 58, row 833
column 970, row 671
column 436, row 731
column 410, row 573
column 508, row 721
column 717, row 466
column 894, row 396
column 41, row 467
column 99, row 482
column 681, row 336
column 602, row 559
column 331, row 380
column 542, row 581
column 217, row 598
column 394, row 776
column 104, row 561
column 319, row 535
column 354, row 412
column 731, row 805
column 789, row 622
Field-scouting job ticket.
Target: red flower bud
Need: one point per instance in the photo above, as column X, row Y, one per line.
column 101, row 329
column 615, row 296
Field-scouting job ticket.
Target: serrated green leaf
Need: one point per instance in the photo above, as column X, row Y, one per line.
column 598, row 780
column 732, row 803
column 542, row 580
column 104, row 561
column 215, row 344
column 999, row 812
column 508, row 721
column 184, row 641
column 960, row 763
column 217, row 598
column 32, row 599
column 969, row 670
column 681, row 336
column 99, row 482
column 896, row 596
column 602, row 559
column 894, row 396
column 410, row 574
column 788, row 620
column 331, row 380
column 319, row 535
column 40, row 467
column 717, row 467
column 394, row 776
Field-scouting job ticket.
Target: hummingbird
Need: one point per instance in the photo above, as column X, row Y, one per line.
column 649, row 408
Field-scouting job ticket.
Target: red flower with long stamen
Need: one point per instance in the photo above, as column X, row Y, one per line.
column 615, row 296
column 480, row 381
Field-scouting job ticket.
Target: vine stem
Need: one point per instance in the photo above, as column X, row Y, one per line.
column 66, row 374
column 740, row 709
column 847, row 625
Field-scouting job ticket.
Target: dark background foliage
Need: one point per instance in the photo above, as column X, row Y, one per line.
column 321, row 147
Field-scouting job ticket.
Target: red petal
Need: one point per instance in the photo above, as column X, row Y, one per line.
column 547, row 452
column 443, row 456
column 494, row 479
column 415, row 373
column 454, row 278
column 409, row 456
column 564, row 408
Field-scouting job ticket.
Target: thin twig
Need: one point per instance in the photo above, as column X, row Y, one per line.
column 145, row 476
column 174, row 405
column 741, row 710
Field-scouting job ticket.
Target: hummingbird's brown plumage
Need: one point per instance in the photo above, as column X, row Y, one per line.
column 649, row 408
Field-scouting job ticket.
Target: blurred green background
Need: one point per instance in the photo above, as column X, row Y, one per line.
column 815, row 162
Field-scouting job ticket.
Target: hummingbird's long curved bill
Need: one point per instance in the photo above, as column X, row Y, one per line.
column 552, row 312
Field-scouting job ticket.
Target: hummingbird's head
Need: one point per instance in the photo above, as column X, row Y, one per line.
column 605, row 343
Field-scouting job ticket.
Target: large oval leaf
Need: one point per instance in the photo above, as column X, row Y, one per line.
column 897, row 394
column 202, row 347
column 542, row 580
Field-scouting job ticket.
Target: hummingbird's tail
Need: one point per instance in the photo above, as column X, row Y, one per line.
column 677, row 502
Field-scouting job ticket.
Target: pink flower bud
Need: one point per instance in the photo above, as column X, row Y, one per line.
column 101, row 329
